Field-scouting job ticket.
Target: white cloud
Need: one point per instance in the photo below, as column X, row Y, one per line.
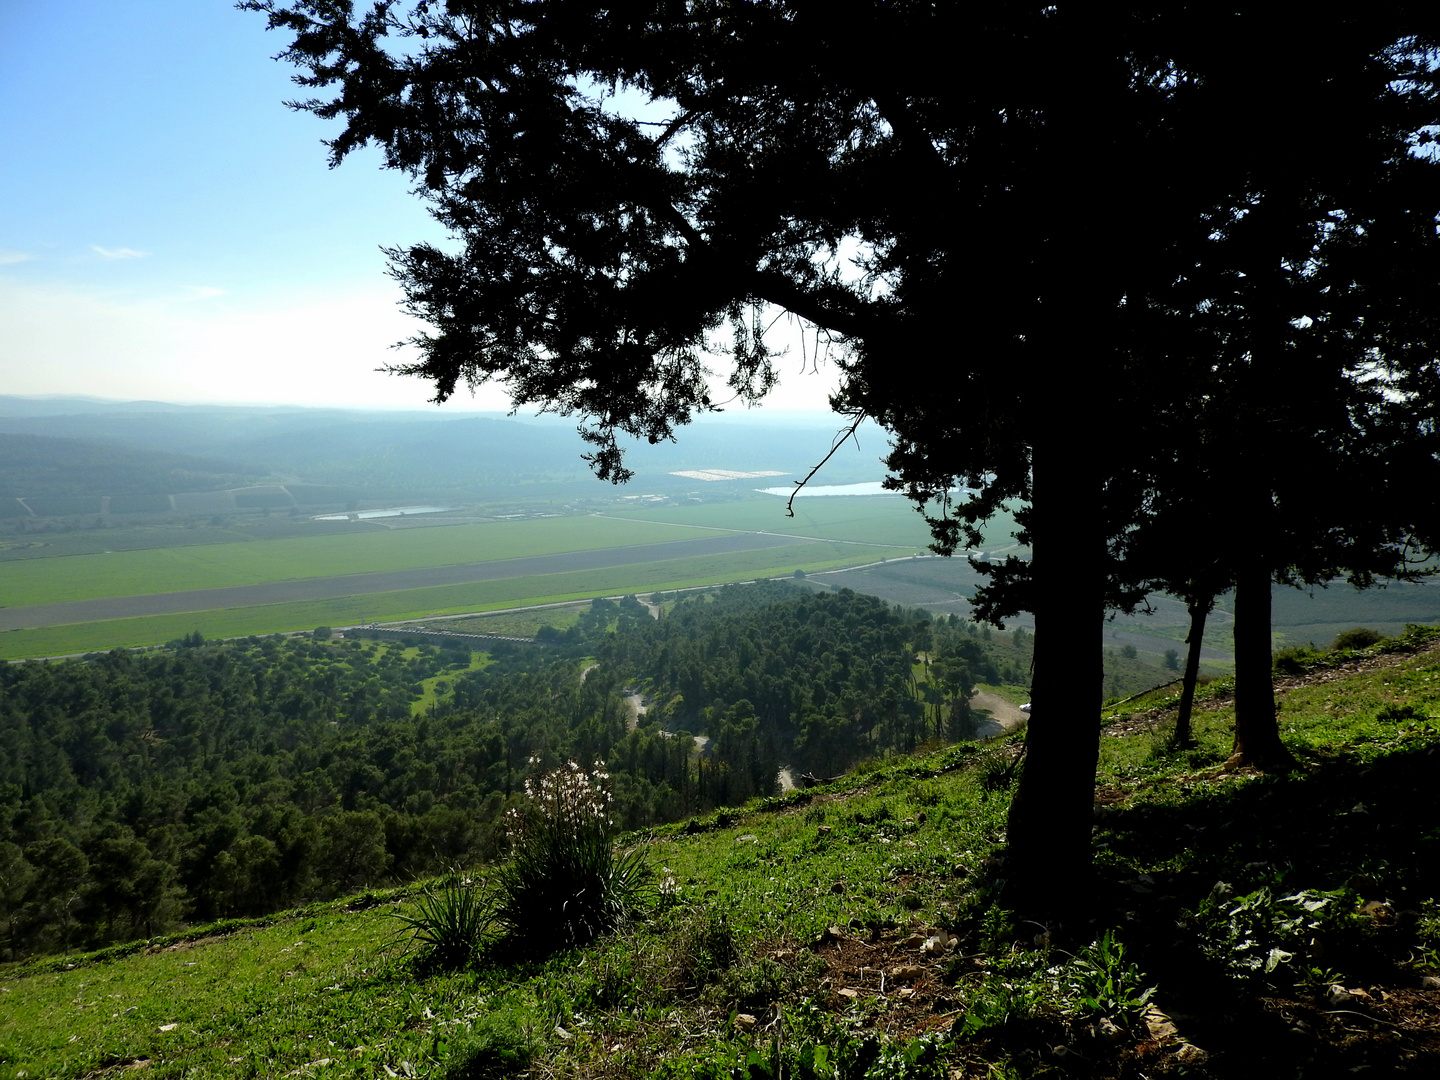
column 202, row 292
column 9, row 258
column 118, row 253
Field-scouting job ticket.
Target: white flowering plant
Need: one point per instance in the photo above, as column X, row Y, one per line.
column 565, row 882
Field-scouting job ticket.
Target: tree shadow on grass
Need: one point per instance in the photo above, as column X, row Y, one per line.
column 1365, row 831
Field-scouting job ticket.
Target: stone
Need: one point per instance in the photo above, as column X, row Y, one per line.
column 1109, row 1032
column 1337, row 997
column 939, row 942
column 1160, row 1026
column 1430, row 982
column 745, row 1020
column 848, row 993
column 914, row 941
column 906, row 972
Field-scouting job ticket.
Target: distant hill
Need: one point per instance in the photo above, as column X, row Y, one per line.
column 40, row 466
column 423, row 454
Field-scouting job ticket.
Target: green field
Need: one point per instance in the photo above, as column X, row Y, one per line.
column 134, row 573
column 889, row 520
column 854, row 531
column 442, row 600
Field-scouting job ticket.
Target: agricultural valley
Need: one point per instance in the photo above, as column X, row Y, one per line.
column 292, row 695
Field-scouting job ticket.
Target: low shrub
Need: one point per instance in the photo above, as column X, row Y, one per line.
column 1295, row 659
column 450, row 921
column 1260, row 935
column 565, row 883
column 1358, row 637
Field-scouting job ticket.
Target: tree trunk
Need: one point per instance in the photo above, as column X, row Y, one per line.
column 1257, row 730
column 1199, row 610
column 1048, row 857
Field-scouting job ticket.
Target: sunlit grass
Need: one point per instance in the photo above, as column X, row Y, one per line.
column 897, row 846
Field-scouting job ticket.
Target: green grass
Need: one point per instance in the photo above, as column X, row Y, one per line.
column 889, row 521
column 900, row 846
column 426, row 700
column 131, row 573
column 329, row 983
column 422, row 603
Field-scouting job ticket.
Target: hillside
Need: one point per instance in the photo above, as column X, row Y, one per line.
column 380, row 456
column 1288, row 925
column 51, row 471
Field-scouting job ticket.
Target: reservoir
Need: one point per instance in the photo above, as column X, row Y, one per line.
column 870, row 487
column 397, row 511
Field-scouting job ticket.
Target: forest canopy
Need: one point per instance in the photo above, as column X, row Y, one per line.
column 211, row 780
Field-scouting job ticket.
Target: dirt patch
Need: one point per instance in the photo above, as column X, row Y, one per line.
column 1005, row 716
column 889, row 977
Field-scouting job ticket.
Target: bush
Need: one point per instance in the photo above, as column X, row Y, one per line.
column 565, row 883
column 1359, row 637
column 450, row 921
column 1295, row 659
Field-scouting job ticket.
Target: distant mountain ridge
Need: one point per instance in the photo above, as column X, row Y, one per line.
column 384, row 455
column 45, row 466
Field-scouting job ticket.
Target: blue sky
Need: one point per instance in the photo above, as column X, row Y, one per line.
column 168, row 230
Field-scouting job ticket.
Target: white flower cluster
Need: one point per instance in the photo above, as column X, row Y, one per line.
column 567, row 800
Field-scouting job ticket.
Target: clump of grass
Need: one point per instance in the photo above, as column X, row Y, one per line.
column 450, row 921
column 565, row 883
column 705, row 948
column 501, row 1043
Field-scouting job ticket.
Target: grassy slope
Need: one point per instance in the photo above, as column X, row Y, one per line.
column 886, row 852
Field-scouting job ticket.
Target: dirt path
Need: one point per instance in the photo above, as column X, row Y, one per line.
column 1004, row 718
column 637, row 710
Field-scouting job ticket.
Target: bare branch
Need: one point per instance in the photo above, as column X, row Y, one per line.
column 848, row 433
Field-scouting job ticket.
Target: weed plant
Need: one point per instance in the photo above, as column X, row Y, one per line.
column 450, row 921
column 1107, row 984
column 565, row 883
column 503, row 1042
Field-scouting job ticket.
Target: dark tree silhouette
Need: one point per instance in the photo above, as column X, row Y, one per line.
column 1032, row 207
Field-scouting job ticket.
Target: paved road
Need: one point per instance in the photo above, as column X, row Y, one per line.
column 285, row 592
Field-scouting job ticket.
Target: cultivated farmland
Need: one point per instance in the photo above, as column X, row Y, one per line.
column 103, row 601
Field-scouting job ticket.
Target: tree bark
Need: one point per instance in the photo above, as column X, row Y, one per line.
column 1048, row 857
column 1257, row 729
column 1199, row 611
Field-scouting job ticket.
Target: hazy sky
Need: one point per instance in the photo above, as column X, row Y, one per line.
column 168, row 230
